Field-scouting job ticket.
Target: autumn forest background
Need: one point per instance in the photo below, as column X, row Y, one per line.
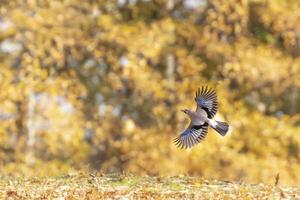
column 99, row 85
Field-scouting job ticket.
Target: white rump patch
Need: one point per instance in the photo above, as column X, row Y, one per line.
column 213, row 123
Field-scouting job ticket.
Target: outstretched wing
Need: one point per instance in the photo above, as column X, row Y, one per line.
column 206, row 99
column 191, row 136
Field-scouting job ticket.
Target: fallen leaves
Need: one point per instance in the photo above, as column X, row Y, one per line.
column 114, row 186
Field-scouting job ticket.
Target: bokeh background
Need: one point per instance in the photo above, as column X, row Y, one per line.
column 98, row 86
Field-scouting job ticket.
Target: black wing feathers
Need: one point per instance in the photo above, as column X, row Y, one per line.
column 191, row 136
column 206, row 99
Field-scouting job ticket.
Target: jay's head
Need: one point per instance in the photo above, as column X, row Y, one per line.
column 186, row 111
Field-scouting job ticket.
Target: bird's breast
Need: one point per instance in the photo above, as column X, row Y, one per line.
column 199, row 119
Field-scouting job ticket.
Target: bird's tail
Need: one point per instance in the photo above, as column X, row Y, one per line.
column 221, row 127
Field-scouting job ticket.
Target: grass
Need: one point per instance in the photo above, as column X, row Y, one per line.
column 112, row 186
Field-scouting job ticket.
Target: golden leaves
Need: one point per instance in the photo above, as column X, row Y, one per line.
column 108, row 84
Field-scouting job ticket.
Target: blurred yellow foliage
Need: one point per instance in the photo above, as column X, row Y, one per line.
column 98, row 85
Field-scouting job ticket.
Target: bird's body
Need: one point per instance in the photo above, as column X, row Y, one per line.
column 198, row 117
column 201, row 119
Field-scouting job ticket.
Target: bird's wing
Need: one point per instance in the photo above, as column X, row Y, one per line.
column 206, row 99
column 191, row 136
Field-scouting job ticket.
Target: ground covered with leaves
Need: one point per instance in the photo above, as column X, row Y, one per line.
column 99, row 186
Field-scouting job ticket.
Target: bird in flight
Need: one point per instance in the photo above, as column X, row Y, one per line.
column 201, row 119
